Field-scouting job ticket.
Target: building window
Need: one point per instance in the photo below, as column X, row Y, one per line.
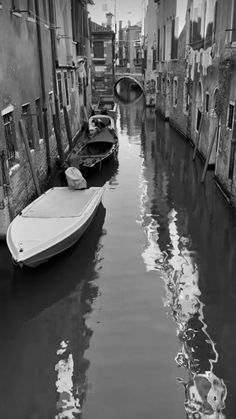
column 215, row 21
column 30, row 7
column 79, row 49
column 60, row 91
column 198, row 121
column 164, row 43
column 10, row 137
column 186, row 97
column 158, row 45
column 72, row 77
column 175, row 92
column 154, row 57
column 38, row 110
column 66, row 88
column 230, row 116
column 174, row 40
column 27, row 118
column 98, row 49
column 207, row 102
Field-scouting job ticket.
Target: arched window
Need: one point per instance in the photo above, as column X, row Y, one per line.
column 175, row 92
column 186, row 98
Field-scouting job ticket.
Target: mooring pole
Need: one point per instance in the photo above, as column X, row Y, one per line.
column 28, row 152
column 198, row 138
column 209, row 155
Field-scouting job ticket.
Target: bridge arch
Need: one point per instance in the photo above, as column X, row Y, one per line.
column 129, row 77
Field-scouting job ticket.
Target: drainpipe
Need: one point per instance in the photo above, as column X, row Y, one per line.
column 43, row 89
column 56, row 117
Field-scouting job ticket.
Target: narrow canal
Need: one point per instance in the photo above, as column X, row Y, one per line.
column 138, row 320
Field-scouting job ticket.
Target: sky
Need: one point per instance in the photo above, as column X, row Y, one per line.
column 125, row 10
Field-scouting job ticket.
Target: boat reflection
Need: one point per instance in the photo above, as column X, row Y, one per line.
column 35, row 289
column 107, row 174
column 44, row 332
column 169, row 250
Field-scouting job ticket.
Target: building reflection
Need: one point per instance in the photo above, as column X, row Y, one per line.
column 130, row 117
column 170, row 250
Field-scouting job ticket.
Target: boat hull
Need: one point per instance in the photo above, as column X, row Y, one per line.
column 60, row 247
column 50, row 248
column 99, row 148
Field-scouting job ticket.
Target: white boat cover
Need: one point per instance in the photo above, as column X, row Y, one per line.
column 60, row 202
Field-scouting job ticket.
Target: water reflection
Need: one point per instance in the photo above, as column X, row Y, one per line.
column 130, row 117
column 107, row 175
column 68, row 404
column 170, row 248
column 44, row 334
column 127, row 91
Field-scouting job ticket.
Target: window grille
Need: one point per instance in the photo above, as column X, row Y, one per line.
column 38, row 109
column 72, row 79
column 26, row 113
column 175, row 89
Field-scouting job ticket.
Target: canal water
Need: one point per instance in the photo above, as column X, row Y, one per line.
column 138, row 319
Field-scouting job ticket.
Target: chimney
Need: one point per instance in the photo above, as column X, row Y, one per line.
column 109, row 20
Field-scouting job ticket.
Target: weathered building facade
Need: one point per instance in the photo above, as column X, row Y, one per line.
column 149, row 45
column 40, row 95
column 103, row 59
column 129, row 51
column 133, row 48
column 196, row 78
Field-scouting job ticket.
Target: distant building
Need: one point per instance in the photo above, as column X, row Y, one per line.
column 121, row 48
column 133, row 48
column 103, row 59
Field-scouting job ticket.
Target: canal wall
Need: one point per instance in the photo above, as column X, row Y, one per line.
column 44, row 86
column 196, row 80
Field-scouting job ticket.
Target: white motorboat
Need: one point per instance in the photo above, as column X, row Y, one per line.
column 51, row 224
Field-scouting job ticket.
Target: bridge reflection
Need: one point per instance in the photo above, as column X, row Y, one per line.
column 128, row 90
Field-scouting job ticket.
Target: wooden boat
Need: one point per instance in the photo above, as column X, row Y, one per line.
column 100, row 147
column 99, row 121
column 107, row 104
column 51, row 224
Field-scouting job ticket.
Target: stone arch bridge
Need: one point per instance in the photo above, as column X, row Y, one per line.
column 131, row 77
